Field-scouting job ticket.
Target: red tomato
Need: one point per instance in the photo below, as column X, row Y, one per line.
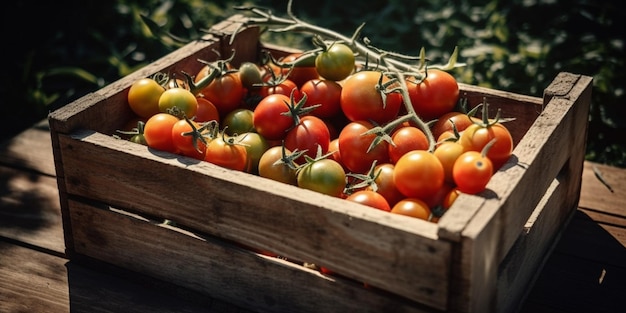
column 385, row 185
column 327, row 93
column 418, row 174
column 225, row 152
column 471, row 172
column 412, row 207
column 206, row 111
column 300, row 73
column 444, row 123
column 226, row 91
column 370, row 198
column 333, row 146
column 158, row 132
column 184, row 136
column 477, row 136
column 310, row 134
column 354, row 145
column 284, row 87
column 143, row 97
column 268, row 118
column 436, row 95
column 361, row 99
column 405, row 139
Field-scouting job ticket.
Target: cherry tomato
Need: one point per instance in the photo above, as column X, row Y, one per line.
column 447, row 152
column 476, row 136
column 326, row 93
column 310, row 134
column 183, row 138
column 472, row 171
column 238, row 121
column 370, row 198
column 412, row 207
column 444, row 123
column 226, row 91
column 336, row 63
column 143, row 97
column 284, row 87
column 250, row 75
column 255, row 146
column 302, row 72
column 418, row 174
column 178, row 101
column 274, row 165
column 354, row 145
column 325, row 176
column 226, row 152
column 406, row 139
column 361, row 99
column 434, row 96
column 268, row 118
column 385, row 184
column 158, row 132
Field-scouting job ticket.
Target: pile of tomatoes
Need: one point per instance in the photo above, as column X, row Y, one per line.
column 327, row 123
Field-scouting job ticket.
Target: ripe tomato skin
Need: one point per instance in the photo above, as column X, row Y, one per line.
column 370, row 198
column 418, row 174
column 412, row 207
column 385, row 185
column 476, row 136
column 336, row 63
column 184, row 143
column 158, row 132
column 268, row 119
column 461, row 122
column 280, row 172
column 406, row 139
column 436, row 95
column 284, row 88
column 308, row 135
column 226, row 91
column 301, row 73
column 224, row 152
column 206, row 111
column 143, row 97
column 353, row 146
column 325, row 176
column 472, row 172
column 360, row 99
column 179, row 98
column 447, row 152
column 324, row 92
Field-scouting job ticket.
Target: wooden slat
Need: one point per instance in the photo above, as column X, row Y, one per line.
column 31, row 149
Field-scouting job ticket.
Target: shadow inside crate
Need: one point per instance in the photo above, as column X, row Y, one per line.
column 586, row 272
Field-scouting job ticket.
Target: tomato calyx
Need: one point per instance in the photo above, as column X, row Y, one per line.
column 356, row 181
column 136, row 134
column 289, row 158
column 298, row 108
column 206, row 130
column 217, row 69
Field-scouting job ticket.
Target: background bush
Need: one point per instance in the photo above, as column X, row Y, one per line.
column 59, row 51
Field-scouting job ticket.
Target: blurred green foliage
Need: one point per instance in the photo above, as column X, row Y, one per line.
column 75, row 47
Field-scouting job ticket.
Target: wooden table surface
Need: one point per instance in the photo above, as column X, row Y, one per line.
column 586, row 271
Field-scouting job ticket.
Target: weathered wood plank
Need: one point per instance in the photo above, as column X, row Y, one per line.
column 31, row 149
column 597, row 196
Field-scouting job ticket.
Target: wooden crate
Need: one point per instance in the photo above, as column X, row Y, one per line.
column 482, row 256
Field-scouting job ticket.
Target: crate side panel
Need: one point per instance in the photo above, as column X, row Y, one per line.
column 211, row 266
column 554, row 144
column 368, row 245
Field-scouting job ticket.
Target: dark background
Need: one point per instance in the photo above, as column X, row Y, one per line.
column 57, row 51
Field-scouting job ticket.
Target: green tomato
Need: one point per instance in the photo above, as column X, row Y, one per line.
column 326, row 176
column 336, row 63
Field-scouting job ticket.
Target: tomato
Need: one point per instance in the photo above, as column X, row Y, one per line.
column 309, row 135
column 238, row 121
column 370, row 198
column 143, row 97
column 274, row 165
column 268, row 118
column 226, row 91
column 250, row 75
column 184, row 133
column 354, row 145
column 361, row 99
column 301, row 72
column 226, row 152
column 447, row 152
column 178, row 101
column 476, row 136
column 333, row 146
column 255, row 146
column 406, row 139
column 326, row 93
column 472, row 171
column 158, row 132
column 324, row 175
column 206, row 111
column 418, row 174
column 434, row 96
column 384, row 183
column 444, row 123
column 283, row 87
column 412, row 207
column 336, row 62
